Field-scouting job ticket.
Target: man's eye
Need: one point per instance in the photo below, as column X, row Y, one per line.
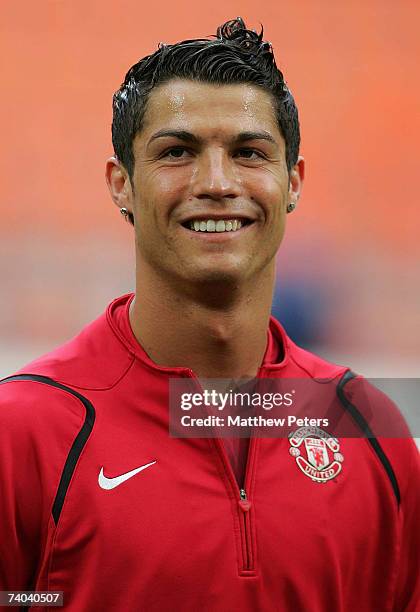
column 175, row 152
column 249, row 154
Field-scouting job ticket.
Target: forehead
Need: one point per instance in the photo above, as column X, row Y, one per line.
column 210, row 108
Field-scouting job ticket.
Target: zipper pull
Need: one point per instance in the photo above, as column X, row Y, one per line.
column 244, row 503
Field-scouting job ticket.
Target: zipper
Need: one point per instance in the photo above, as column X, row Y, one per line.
column 243, row 504
column 244, row 507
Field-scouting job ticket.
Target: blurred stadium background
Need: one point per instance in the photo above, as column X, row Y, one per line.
column 348, row 271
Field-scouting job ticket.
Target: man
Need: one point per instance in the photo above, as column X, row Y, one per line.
column 97, row 500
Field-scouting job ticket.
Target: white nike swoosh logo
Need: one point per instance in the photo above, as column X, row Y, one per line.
column 111, row 483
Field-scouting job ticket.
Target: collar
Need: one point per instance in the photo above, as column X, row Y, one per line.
column 118, row 318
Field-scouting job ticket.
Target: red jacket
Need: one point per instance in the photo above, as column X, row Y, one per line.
column 178, row 534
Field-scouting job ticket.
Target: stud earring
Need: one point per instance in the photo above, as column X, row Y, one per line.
column 124, row 213
column 291, row 207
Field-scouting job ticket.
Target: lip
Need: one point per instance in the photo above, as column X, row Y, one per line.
column 219, row 236
column 216, row 217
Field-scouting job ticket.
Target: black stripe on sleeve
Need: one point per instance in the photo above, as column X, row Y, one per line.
column 364, row 426
column 79, row 441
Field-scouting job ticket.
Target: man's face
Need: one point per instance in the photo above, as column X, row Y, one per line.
column 209, row 157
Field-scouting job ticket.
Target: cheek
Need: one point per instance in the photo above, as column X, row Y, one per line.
column 271, row 191
column 159, row 193
column 170, row 182
column 154, row 199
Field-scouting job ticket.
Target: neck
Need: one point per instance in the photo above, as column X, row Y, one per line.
column 217, row 331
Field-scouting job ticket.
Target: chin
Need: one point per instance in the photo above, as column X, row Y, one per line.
column 216, row 276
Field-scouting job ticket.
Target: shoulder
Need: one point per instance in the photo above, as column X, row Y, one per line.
column 39, row 417
column 49, row 396
column 314, row 365
column 96, row 358
column 378, row 420
column 300, row 362
column 384, row 425
column 364, row 399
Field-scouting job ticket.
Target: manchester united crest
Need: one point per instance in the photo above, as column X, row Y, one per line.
column 323, row 460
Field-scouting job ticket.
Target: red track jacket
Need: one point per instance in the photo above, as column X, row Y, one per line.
column 178, row 534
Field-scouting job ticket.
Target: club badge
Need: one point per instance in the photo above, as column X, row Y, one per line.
column 323, row 460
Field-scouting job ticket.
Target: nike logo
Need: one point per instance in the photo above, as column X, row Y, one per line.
column 111, row 483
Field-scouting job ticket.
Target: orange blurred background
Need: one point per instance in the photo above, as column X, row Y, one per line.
column 348, row 279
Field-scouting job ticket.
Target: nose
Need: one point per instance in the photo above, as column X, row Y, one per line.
column 215, row 176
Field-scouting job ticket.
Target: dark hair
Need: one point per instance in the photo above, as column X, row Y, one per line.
column 235, row 55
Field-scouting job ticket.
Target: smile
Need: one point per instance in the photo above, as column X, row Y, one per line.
column 216, row 225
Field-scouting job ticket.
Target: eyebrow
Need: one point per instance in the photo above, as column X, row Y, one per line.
column 191, row 138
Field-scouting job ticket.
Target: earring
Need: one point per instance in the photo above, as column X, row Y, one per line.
column 291, row 207
column 124, row 213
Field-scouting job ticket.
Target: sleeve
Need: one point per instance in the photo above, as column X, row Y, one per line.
column 38, row 425
column 408, row 580
column 21, row 502
column 383, row 418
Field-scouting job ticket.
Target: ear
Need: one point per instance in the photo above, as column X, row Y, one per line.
column 296, row 177
column 119, row 184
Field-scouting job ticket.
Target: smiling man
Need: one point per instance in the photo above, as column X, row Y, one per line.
column 97, row 499
column 208, row 194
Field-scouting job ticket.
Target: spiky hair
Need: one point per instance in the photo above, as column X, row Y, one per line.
column 234, row 55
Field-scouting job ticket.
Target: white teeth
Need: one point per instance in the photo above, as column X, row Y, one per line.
column 212, row 225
